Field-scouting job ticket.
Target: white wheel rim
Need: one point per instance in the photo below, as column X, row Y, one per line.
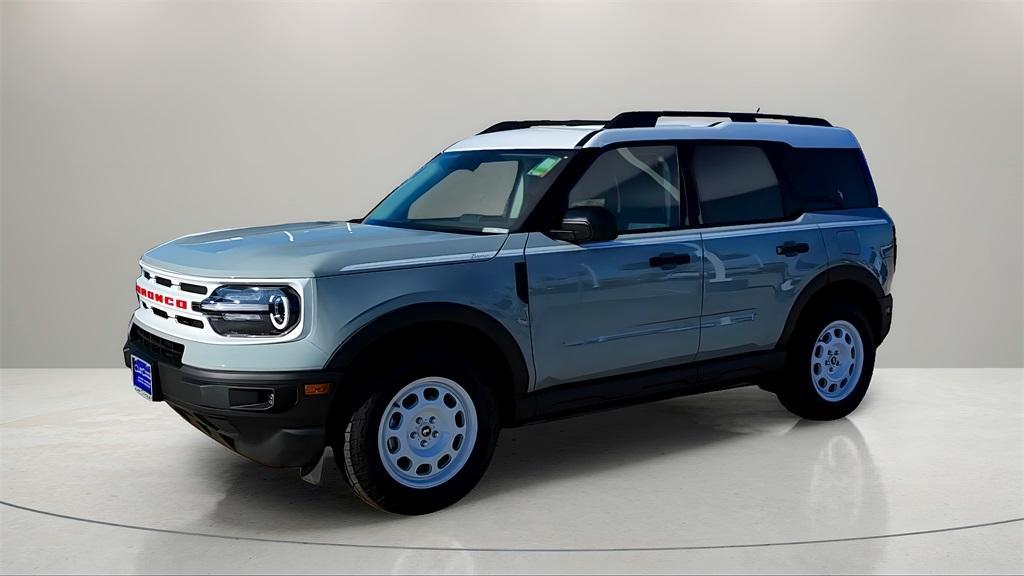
column 427, row 432
column 837, row 359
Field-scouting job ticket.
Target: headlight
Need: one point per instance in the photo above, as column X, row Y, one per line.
column 252, row 310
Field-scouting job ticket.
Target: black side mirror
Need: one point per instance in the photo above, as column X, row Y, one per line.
column 587, row 224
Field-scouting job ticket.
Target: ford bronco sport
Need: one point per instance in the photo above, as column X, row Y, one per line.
column 532, row 271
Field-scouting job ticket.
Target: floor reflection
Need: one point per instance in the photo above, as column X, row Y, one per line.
column 454, row 561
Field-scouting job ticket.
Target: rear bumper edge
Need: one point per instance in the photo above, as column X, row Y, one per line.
column 885, row 303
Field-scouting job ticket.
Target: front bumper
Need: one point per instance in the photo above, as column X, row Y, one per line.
column 265, row 416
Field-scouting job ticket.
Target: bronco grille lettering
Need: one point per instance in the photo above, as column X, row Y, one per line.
column 160, row 298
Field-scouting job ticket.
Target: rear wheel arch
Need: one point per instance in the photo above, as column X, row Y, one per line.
column 846, row 283
column 481, row 333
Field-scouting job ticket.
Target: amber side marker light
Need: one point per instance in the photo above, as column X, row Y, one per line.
column 317, row 389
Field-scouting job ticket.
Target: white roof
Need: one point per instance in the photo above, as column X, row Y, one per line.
column 539, row 137
column 567, row 137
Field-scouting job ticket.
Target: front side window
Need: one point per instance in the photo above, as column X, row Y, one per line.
column 639, row 185
column 478, row 192
column 736, row 184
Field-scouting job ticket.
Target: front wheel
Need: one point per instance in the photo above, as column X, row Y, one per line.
column 829, row 364
column 423, row 437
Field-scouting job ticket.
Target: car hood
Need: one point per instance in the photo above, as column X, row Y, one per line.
column 310, row 249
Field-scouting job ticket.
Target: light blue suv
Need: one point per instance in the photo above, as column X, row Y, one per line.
column 532, row 271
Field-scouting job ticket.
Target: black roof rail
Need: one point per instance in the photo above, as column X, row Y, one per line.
column 517, row 124
column 648, row 118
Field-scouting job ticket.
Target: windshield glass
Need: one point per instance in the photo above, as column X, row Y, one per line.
column 477, row 192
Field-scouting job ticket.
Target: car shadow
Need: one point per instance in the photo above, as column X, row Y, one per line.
column 525, row 457
column 821, row 460
column 589, row 444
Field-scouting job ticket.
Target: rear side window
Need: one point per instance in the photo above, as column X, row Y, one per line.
column 736, row 184
column 828, row 179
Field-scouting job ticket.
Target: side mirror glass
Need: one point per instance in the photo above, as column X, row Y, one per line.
column 587, row 224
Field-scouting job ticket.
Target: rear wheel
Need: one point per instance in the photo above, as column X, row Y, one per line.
column 829, row 364
column 423, row 435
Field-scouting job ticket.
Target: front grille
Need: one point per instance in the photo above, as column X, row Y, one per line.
column 180, row 309
column 193, row 288
column 171, row 304
column 165, row 349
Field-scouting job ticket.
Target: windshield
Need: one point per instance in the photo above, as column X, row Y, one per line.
column 477, row 192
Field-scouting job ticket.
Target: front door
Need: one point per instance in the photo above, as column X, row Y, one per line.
column 633, row 303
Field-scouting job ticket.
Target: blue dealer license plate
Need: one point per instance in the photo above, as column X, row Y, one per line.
column 142, row 377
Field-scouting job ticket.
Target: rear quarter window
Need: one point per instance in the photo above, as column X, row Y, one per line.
column 828, row 179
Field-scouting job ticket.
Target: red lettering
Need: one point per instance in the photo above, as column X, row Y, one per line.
column 160, row 298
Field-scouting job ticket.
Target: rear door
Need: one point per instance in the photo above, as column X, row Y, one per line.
column 606, row 308
column 758, row 250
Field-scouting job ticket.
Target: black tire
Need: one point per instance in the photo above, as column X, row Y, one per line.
column 797, row 388
column 356, row 441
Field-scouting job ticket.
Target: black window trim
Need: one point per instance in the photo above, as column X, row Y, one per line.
column 547, row 212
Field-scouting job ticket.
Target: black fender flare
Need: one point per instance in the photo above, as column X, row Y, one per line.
column 352, row 347
column 840, row 273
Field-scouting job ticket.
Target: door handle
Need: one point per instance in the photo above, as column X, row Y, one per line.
column 792, row 248
column 669, row 260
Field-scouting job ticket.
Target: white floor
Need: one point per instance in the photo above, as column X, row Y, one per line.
column 927, row 476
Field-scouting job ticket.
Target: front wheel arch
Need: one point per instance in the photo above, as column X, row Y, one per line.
column 485, row 334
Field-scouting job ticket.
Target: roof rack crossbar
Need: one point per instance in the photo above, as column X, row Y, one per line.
column 649, row 118
column 517, row 124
